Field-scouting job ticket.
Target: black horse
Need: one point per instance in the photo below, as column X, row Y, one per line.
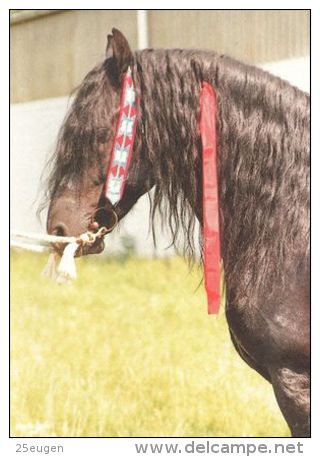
column 263, row 174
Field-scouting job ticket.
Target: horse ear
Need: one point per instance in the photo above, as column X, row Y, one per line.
column 119, row 50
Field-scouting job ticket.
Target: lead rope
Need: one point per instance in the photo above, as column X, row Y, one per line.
column 61, row 270
column 65, row 271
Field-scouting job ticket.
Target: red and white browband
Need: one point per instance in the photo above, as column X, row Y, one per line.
column 120, row 161
column 123, row 141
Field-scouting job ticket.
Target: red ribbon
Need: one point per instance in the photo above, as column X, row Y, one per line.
column 211, row 235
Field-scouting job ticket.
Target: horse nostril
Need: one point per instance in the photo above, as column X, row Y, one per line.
column 59, row 230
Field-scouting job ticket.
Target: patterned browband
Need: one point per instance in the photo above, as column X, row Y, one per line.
column 123, row 141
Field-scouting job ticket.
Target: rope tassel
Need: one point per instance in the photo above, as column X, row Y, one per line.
column 65, row 271
column 67, row 267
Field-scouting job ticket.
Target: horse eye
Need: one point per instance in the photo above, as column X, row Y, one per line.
column 98, row 180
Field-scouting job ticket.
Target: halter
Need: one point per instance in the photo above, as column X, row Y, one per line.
column 120, row 161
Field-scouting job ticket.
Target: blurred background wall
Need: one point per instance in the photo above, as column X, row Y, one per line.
column 52, row 50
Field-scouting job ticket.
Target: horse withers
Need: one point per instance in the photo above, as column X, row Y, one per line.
column 263, row 178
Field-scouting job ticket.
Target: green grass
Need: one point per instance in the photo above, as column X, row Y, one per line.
column 127, row 350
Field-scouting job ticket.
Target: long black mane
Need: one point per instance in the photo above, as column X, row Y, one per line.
column 263, row 158
column 263, row 153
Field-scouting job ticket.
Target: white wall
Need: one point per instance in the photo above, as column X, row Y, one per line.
column 34, row 128
column 296, row 71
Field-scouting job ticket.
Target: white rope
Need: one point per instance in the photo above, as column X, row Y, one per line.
column 42, row 237
column 45, row 239
column 29, row 246
column 66, row 271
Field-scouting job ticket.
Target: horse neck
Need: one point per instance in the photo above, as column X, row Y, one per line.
column 263, row 128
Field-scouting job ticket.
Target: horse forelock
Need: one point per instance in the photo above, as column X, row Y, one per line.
column 87, row 125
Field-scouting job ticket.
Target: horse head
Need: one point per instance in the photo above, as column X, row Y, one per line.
column 77, row 181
